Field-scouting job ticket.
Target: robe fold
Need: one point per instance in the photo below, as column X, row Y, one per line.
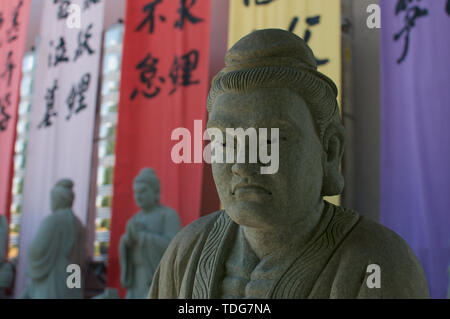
column 210, row 259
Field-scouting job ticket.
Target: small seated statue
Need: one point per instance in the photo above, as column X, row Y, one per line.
column 148, row 233
column 6, row 269
column 277, row 237
column 59, row 242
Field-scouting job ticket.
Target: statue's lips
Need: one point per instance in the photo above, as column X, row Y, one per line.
column 250, row 188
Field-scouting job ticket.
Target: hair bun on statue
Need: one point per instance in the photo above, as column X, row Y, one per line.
column 274, row 58
column 62, row 194
column 148, row 176
column 66, row 183
column 280, row 45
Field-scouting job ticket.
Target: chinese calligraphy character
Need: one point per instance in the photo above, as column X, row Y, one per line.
column 79, row 91
column 88, row 3
column 185, row 14
column 9, row 68
column 63, row 8
column 293, row 24
column 447, row 7
column 5, row 117
column 257, row 2
column 310, row 21
column 188, row 64
column 83, row 45
column 50, row 104
column 148, row 73
column 12, row 32
column 60, row 53
column 150, row 18
column 1, row 20
column 411, row 14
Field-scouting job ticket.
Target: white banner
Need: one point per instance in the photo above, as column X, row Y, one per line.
column 63, row 113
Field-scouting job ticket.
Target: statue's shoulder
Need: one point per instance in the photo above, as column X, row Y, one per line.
column 55, row 218
column 169, row 211
column 190, row 234
column 372, row 243
column 377, row 239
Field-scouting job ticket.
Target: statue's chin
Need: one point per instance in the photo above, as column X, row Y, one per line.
column 250, row 214
column 146, row 208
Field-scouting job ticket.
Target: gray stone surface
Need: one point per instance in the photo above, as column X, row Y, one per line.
column 59, row 242
column 6, row 269
column 109, row 293
column 148, row 233
column 448, row 290
column 277, row 237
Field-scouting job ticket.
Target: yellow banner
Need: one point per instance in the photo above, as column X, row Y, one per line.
column 318, row 22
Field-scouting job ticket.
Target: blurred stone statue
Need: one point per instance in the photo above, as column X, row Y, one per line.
column 147, row 236
column 448, row 290
column 59, row 242
column 277, row 237
column 6, row 269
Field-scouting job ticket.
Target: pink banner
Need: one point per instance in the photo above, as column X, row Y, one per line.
column 62, row 117
column 14, row 16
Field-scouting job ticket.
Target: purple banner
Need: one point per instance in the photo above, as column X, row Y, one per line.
column 415, row 138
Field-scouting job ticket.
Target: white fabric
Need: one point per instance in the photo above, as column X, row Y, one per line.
column 63, row 150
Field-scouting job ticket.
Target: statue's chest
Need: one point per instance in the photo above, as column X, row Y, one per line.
column 153, row 222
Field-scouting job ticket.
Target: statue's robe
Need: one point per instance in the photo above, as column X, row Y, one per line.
column 59, row 242
column 210, row 258
column 139, row 260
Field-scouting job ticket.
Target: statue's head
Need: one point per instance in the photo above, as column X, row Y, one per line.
column 146, row 189
column 271, row 81
column 62, row 195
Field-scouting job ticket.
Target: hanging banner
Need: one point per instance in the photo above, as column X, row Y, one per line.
column 318, row 22
column 61, row 130
column 164, row 86
column 14, row 17
column 415, row 142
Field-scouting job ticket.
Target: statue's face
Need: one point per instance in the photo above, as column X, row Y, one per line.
column 256, row 200
column 144, row 195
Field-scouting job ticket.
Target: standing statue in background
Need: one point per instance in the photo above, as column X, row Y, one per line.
column 58, row 243
column 6, row 269
column 147, row 236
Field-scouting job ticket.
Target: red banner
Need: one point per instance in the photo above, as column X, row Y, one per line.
column 164, row 86
column 14, row 15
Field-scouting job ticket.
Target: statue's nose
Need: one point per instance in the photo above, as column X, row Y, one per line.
column 244, row 169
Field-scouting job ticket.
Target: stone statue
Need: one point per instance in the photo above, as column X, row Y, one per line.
column 147, row 236
column 448, row 290
column 59, row 242
column 277, row 237
column 6, row 269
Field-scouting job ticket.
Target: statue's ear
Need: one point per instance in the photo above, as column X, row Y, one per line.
column 334, row 143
